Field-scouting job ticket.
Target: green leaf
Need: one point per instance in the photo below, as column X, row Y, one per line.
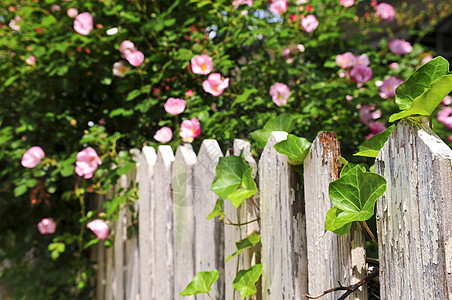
column 355, row 194
column 247, row 189
column 230, row 171
column 246, row 243
column 201, row 283
column 217, row 211
column 419, row 81
column 426, row 103
column 283, row 122
column 20, row 190
column 330, row 218
column 372, row 146
column 245, row 281
column 295, row 148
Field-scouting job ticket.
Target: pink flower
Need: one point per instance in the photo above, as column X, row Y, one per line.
column 309, row 23
column 447, row 100
column 400, row 47
column 427, row 59
column 375, row 128
column 135, row 58
column 99, row 227
column 55, row 7
column 385, row 12
column 46, row 226
column 278, row 7
column 32, row 157
column 31, row 60
column 119, row 69
column 201, row 64
column 83, row 23
column 286, row 52
column 445, row 117
column 450, row 138
column 163, row 135
column 280, row 93
column 237, row 3
column 87, row 162
column 362, row 59
column 13, row 23
column 361, row 74
column 347, row 3
column 72, row 12
column 387, row 89
column 366, row 114
column 190, row 129
column 394, row 65
column 126, row 48
column 174, row 106
column 189, row 93
column 345, row 60
column 215, row 84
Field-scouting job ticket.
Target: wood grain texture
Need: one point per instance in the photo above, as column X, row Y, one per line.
column 284, row 274
column 184, row 225
column 209, row 234
column 163, row 246
column 333, row 258
column 414, row 216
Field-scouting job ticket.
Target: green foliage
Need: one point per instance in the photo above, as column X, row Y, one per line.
column 282, row 122
column 245, row 281
column 295, row 148
column 248, row 242
column 201, row 283
column 372, row 146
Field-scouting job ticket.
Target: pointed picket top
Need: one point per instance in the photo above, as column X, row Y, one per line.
column 283, row 232
column 165, row 154
column 414, row 215
column 150, row 155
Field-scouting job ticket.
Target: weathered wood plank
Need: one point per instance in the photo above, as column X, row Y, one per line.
column 163, row 266
column 333, row 258
column 414, row 216
column 284, row 274
column 209, row 236
column 184, row 225
column 146, row 165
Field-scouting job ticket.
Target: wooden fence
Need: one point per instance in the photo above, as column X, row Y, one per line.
column 176, row 241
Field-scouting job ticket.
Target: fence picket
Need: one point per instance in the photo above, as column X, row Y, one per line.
column 284, row 274
column 184, row 226
column 333, row 258
column 209, row 236
column 414, row 216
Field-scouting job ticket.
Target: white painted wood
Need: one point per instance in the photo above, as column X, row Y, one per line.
column 184, row 221
column 284, row 274
column 99, row 249
column 110, row 287
column 333, row 258
column 209, row 236
column 163, row 266
column 414, row 216
column 146, row 237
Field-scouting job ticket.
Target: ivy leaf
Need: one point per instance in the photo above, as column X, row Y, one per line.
column 201, row 283
column 217, row 211
column 247, row 189
column 331, row 216
column 372, row 146
column 246, row 243
column 295, row 148
column 419, row 81
column 245, row 281
column 283, row 122
column 354, row 194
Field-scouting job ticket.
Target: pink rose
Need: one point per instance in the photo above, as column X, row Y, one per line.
column 375, row 128
column 400, row 47
column 445, row 117
column 174, row 106
column 237, row 3
column 366, row 114
column 31, row 60
column 189, row 93
column 286, row 52
column 135, row 58
column 345, row 60
column 361, row 74
column 99, row 227
column 362, row 59
column 201, row 64
column 278, row 7
column 447, row 100
column 72, row 12
column 32, row 157
column 126, row 48
column 87, row 162
column 83, row 23
column 163, row 135
column 215, row 84
column 280, row 93
column 119, row 69
column 347, row 3
column 46, row 226
column 427, row 59
column 387, row 89
column 309, row 23
column 385, row 12
column 450, row 138
column 55, row 7
column 190, row 129
column 13, row 23
column 394, row 65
